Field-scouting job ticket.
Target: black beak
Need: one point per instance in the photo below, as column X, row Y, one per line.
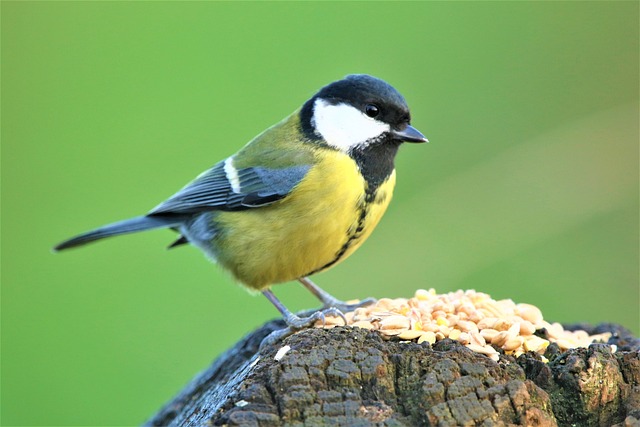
column 409, row 134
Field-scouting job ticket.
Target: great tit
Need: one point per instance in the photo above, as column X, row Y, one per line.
column 296, row 200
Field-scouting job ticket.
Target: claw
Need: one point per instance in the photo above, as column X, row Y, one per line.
column 274, row 337
column 296, row 322
column 334, row 311
column 344, row 307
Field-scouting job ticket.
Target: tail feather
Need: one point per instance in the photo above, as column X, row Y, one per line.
column 132, row 225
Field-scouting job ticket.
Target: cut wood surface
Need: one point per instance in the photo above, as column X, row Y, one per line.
column 353, row 377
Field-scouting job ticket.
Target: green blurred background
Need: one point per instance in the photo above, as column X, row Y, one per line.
column 528, row 189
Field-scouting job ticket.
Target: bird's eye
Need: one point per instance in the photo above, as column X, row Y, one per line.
column 371, row 110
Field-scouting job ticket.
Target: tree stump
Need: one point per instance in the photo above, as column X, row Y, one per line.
column 353, row 377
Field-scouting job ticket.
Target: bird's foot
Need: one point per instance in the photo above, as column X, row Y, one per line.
column 275, row 337
column 295, row 322
column 346, row 307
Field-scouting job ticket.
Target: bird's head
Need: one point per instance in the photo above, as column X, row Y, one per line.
column 358, row 111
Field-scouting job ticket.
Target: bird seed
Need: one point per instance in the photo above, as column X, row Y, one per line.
column 472, row 318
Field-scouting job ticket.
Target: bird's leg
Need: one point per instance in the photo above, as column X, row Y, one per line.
column 330, row 301
column 295, row 322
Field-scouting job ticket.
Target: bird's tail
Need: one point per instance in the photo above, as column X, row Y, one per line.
column 132, row 225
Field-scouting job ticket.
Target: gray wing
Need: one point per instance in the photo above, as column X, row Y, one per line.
column 223, row 187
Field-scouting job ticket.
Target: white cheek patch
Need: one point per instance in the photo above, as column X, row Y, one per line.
column 344, row 126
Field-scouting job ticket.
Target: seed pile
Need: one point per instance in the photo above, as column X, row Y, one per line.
column 471, row 317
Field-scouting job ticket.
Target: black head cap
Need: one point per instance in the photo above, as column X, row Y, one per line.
column 372, row 96
column 361, row 90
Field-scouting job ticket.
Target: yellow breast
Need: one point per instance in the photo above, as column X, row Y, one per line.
column 323, row 221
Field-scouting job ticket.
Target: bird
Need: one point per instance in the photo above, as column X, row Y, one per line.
column 296, row 200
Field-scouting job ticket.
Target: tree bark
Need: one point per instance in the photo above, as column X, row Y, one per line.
column 352, row 377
